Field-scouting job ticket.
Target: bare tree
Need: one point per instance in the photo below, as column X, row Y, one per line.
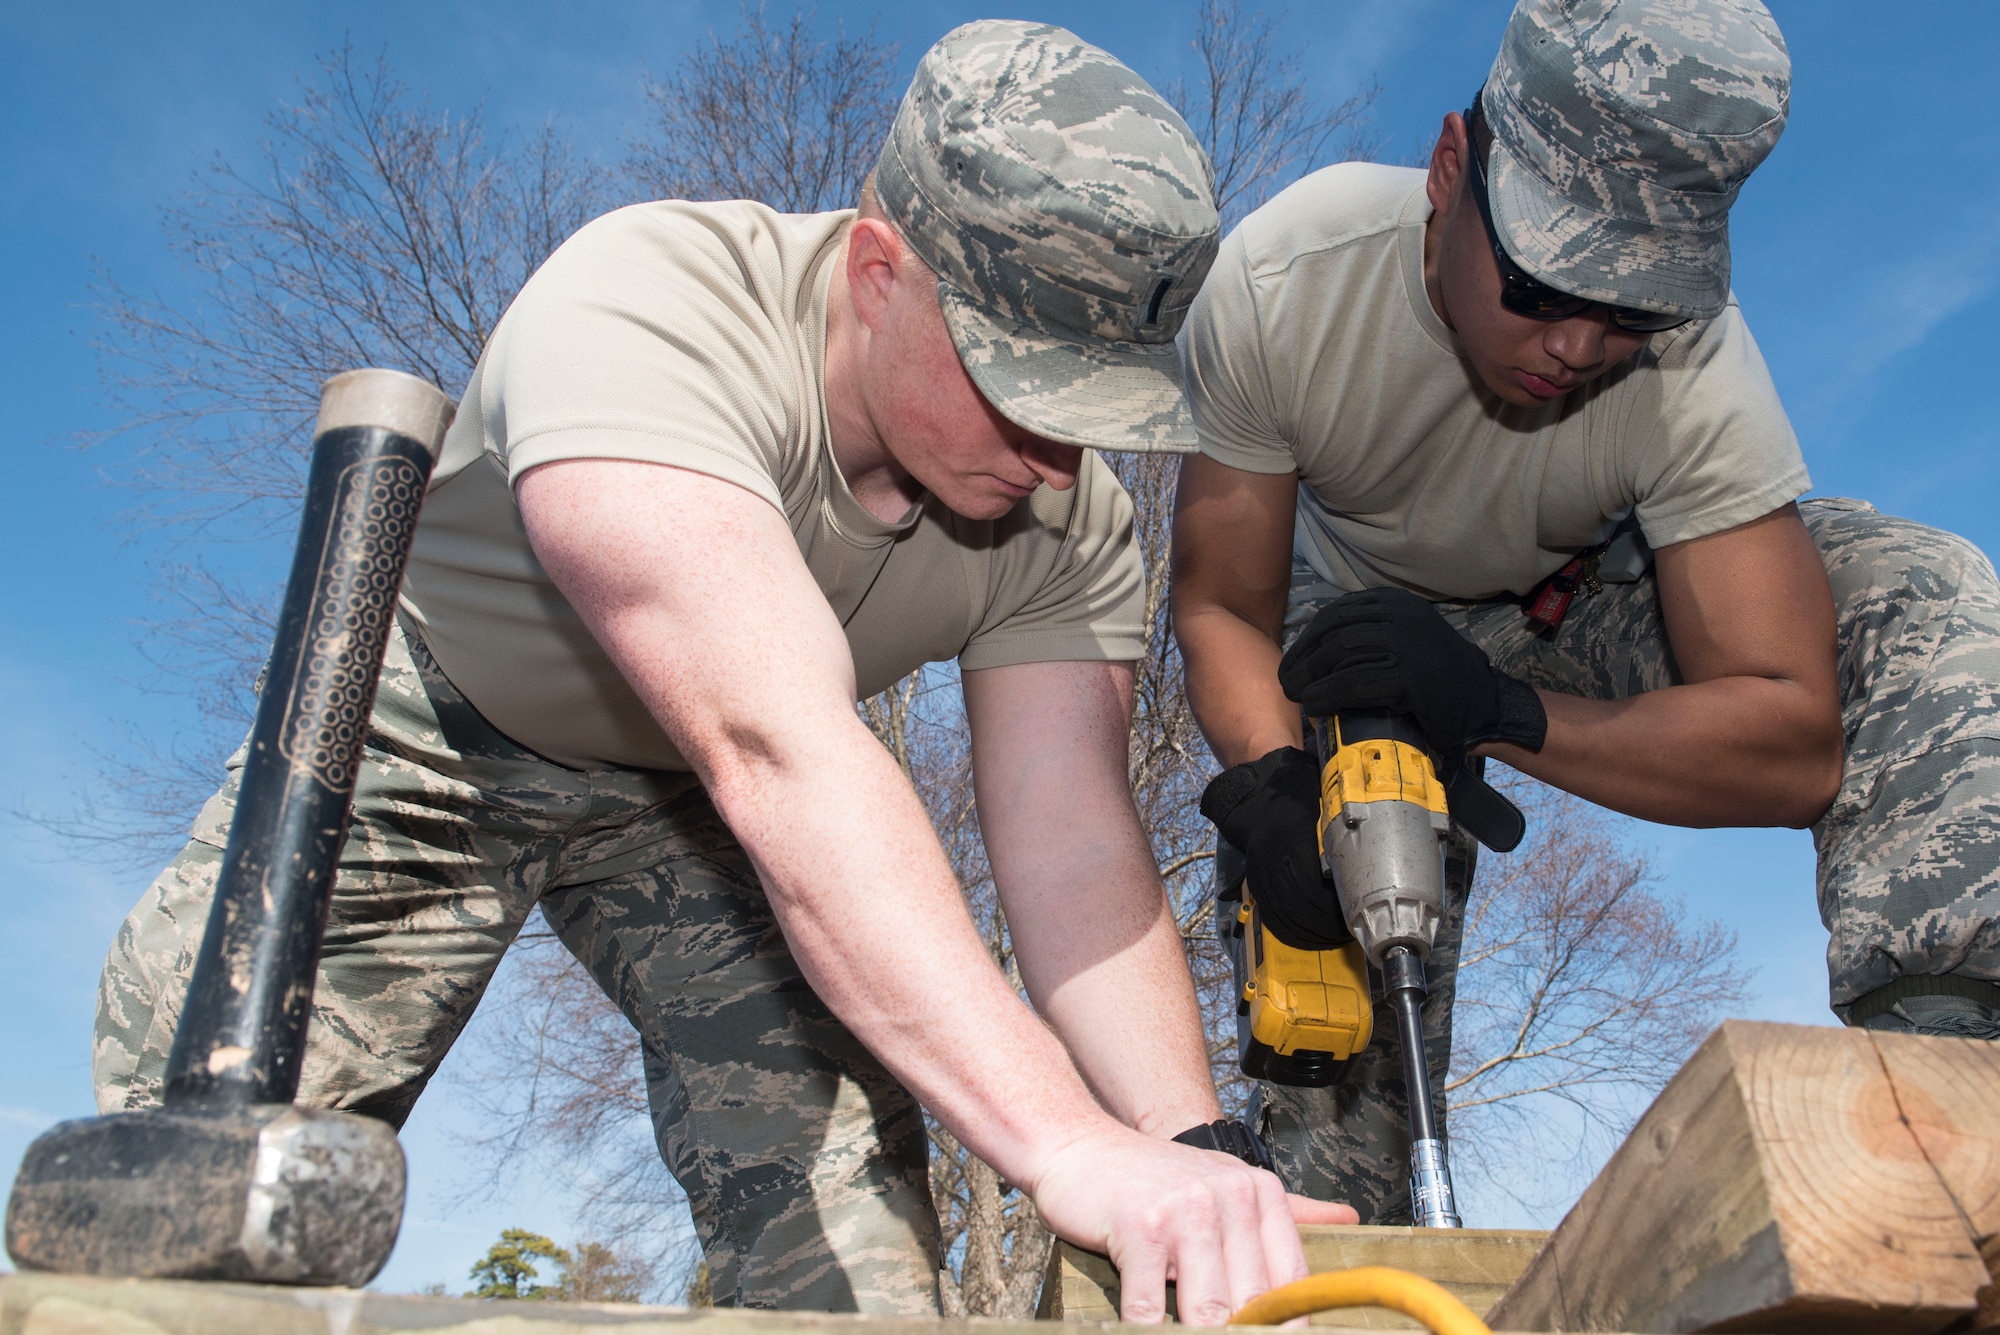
column 598, row 1273
column 1581, row 990
column 774, row 113
column 1001, row 1245
column 1261, row 120
column 374, row 230
column 371, row 230
column 558, row 1076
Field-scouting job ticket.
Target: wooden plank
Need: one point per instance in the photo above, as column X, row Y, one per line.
column 1476, row 1265
column 43, row 1304
column 1082, row 1286
column 32, row 1304
column 1774, row 1186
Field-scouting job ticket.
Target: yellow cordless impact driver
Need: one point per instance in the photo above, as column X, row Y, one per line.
column 1383, row 819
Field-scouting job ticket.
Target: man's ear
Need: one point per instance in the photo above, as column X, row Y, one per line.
column 1447, row 162
column 874, row 266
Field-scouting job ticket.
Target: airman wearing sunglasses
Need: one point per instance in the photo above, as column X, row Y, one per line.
column 1492, row 445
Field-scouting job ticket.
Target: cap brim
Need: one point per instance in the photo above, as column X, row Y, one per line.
column 1105, row 396
column 1677, row 270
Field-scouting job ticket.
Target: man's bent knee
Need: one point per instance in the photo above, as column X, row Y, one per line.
column 145, row 981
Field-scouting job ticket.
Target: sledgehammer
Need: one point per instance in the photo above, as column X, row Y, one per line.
column 229, row 1180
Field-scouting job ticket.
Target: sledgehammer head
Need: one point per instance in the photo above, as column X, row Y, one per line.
column 264, row 1193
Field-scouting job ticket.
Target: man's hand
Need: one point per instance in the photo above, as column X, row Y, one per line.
column 1269, row 810
column 1389, row 651
column 1223, row 1231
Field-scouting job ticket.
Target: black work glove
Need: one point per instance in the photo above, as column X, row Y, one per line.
column 1269, row 809
column 1389, row 651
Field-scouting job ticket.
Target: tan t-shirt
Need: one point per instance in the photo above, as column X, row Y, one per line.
column 694, row 335
column 1313, row 346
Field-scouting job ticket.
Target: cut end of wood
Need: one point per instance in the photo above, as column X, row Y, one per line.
column 1790, row 1177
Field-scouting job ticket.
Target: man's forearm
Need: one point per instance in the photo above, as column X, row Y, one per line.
column 1094, row 936
column 1232, row 684
column 1739, row 750
column 873, row 915
column 1754, row 738
column 1232, row 561
column 1733, row 751
column 1098, row 945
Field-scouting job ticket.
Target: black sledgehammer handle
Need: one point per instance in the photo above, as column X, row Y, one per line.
column 242, row 1033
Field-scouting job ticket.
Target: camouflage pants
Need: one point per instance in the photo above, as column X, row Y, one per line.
column 804, row 1161
column 1909, row 852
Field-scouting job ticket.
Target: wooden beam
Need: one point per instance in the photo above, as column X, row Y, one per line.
column 1782, row 1182
column 1476, row 1265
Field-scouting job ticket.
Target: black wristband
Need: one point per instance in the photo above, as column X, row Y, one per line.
column 1229, row 1136
column 1227, row 791
column 1523, row 721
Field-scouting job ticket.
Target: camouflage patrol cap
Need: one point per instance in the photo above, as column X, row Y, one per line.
column 1070, row 217
column 1622, row 131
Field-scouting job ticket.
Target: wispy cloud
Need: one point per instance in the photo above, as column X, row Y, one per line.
column 1869, row 314
column 1369, row 38
column 26, row 1118
column 1909, row 299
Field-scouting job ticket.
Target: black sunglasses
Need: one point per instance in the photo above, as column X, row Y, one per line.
column 1526, row 295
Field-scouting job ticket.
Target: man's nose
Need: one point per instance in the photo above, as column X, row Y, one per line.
column 1053, row 462
column 1578, row 342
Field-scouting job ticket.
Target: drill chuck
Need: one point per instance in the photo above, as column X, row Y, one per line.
column 1388, row 859
column 1383, row 822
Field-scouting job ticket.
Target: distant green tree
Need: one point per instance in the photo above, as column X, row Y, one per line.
column 600, row 1274
column 508, row 1269
column 701, row 1290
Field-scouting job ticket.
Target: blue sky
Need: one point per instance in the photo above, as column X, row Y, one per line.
column 1867, row 258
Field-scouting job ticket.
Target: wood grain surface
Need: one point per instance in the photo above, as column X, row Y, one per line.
column 1779, row 1184
column 1948, row 1091
column 1475, row 1265
column 33, row 1304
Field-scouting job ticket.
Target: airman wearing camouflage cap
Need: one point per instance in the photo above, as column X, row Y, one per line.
column 721, row 472
column 1512, row 400
column 1621, row 135
column 1069, row 219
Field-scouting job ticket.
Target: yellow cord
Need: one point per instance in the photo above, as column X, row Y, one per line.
column 1363, row 1286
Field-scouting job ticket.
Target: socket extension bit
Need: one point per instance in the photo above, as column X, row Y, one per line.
column 229, row 1181
column 1431, row 1202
